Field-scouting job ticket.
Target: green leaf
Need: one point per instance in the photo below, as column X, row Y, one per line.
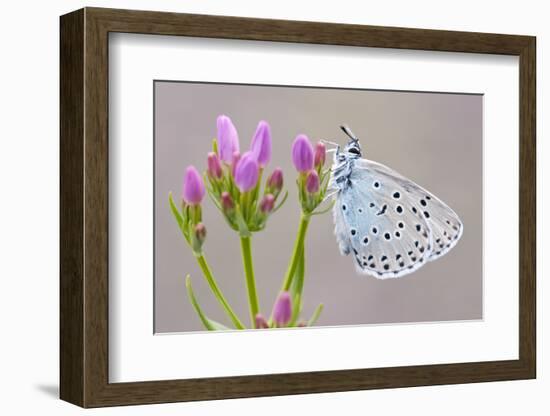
column 297, row 287
column 296, row 306
column 214, row 200
column 325, row 176
column 211, row 185
column 209, row 324
column 315, row 315
column 280, row 204
column 241, row 223
column 256, row 190
column 175, row 211
column 230, row 185
column 178, row 216
column 324, row 210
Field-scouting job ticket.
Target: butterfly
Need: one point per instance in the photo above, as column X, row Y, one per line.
column 391, row 225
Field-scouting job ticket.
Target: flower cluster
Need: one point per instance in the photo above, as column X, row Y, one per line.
column 235, row 180
column 313, row 179
column 189, row 218
column 234, row 183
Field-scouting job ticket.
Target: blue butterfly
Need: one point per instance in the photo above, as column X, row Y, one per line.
column 391, row 225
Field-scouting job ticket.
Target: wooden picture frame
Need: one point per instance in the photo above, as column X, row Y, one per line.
column 84, row 207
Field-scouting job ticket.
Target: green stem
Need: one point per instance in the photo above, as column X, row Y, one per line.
column 297, row 288
column 315, row 315
column 297, row 252
column 217, row 292
column 250, row 280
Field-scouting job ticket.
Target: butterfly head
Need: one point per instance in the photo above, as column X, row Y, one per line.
column 353, row 149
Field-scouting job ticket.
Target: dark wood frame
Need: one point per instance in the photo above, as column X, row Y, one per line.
column 84, row 208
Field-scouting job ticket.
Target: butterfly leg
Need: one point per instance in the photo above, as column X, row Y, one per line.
column 338, row 167
column 331, row 194
column 331, row 143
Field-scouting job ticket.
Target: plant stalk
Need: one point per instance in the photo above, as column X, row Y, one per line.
column 297, row 252
column 217, row 292
column 250, row 280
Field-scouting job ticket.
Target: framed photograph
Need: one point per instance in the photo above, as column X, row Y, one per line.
column 255, row 207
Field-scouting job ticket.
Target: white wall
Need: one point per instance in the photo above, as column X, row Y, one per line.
column 29, row 206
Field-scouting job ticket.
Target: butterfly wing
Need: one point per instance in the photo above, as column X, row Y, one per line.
column 445, row 225
column 390, row 224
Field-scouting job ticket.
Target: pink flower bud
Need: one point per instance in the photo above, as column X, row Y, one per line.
column 261, row 323
column 200, row 232
column 261, row 144
column 193, row 187
column 234, row 161
column 320, row 154
column 227, row 203
column 214, row 166
column 267, row 204
column 247, row 172
column 275, row 181
column 302, row 153
column 228, row 139
column 282, row 310
column 312, row 182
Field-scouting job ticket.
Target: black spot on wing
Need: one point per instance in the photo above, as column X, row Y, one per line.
column 383, row 210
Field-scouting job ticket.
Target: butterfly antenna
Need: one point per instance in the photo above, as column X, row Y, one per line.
column 349, row 133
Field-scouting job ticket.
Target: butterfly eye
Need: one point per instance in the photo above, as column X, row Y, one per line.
column 354, row 151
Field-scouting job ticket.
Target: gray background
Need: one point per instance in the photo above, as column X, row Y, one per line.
column 433, row 139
